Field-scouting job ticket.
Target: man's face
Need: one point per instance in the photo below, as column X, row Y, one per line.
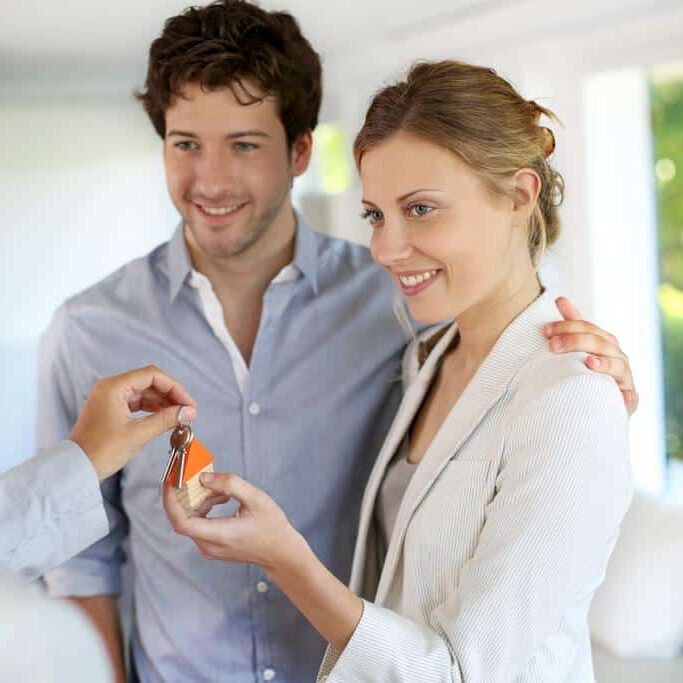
column 228, row 168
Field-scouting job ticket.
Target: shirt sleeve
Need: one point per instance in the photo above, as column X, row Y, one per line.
column 50, row 509
column 63, row 387
column 561, row 494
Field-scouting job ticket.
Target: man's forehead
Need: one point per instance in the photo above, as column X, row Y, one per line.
column 221, row 109
column 242, row 94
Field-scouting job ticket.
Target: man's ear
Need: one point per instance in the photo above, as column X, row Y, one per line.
column 527, row 184
column 300, row 153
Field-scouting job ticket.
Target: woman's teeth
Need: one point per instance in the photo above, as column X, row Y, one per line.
column 412, row 280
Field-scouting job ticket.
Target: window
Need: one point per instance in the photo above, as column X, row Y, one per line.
column 666, row 103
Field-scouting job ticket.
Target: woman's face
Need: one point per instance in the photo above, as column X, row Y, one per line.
column 449, row 243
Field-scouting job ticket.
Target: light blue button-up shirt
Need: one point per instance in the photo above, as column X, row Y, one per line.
column 325, row 375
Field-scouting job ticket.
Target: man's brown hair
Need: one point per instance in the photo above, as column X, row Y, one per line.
column 237, row 45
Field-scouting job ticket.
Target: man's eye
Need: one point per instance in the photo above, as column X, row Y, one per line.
column 245, row 146
column 186, row 145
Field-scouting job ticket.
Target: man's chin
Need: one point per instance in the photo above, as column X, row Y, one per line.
column 221, row 245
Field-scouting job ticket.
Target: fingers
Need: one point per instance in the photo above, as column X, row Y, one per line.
column 567, row 308
column 163, row 420
column 620, row 370
column 631, row 400
column 233, row 486
column 615, row 367
column 567, row 328
column 586, row 343
column 151, row 377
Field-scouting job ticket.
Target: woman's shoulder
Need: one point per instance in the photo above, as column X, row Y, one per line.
column 551, row 383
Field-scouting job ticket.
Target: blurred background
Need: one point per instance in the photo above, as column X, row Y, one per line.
column 82, row 188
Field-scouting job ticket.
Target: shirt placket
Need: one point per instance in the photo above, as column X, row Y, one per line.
column 257, row 411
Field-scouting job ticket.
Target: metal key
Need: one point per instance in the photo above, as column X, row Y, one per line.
column 181, row 438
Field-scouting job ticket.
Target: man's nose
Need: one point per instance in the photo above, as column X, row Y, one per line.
column 214, row 173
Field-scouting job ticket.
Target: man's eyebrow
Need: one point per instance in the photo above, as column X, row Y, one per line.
column 229, row 136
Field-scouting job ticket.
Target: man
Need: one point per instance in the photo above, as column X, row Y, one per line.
column 286, row 338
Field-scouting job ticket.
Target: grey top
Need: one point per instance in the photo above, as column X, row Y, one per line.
column 396, row 480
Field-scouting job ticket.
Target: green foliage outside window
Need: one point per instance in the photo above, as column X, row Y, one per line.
column 667, row 122
column 335, row 168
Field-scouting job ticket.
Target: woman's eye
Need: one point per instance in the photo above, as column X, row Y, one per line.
column 372, row 216
column 419, row 209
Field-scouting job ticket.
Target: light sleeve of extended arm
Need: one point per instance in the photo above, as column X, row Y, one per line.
column 65, row 379
column 50, row 509
column 561, row 493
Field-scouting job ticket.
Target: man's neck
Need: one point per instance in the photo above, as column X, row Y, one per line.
column 240, row 281
column 248, row 274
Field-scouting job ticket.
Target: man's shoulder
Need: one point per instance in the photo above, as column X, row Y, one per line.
column 340, row 259
column 133, row 280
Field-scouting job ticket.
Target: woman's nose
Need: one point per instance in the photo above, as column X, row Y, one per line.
column 390, row 245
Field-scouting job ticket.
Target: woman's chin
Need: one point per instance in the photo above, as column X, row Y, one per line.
column 429, row 315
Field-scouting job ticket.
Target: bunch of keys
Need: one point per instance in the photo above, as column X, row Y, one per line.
column 188, row 458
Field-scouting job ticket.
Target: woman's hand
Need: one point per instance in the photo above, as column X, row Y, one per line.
column 604, row 352
column 258, row 533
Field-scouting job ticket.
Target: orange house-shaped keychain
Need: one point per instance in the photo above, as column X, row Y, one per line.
column 195, row 459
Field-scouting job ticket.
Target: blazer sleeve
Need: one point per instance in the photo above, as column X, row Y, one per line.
column 561, row 493
column 50, row 509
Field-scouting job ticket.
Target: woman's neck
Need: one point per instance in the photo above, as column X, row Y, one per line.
column 480, row 327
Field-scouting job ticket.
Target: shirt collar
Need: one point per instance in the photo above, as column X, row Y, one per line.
column 179, row 266
column 305, row 257
column 306, row 251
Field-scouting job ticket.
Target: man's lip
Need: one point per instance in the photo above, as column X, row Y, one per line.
column 232, row 212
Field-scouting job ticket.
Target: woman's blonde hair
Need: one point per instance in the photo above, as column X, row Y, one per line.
column 481, row 118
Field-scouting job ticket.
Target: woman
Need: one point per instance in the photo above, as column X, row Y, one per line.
column 495, row 502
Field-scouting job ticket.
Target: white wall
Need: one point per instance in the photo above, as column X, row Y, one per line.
column 82, row 193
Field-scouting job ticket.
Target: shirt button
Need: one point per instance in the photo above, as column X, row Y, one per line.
column 268, row 674
column 255, row 409
column 262, row 587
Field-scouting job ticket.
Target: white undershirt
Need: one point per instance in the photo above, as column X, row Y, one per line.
column 213, row 312
column 396, row 480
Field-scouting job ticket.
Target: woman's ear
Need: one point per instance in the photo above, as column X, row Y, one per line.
column 527, row 187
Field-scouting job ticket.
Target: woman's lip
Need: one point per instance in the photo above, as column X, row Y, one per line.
column 420, row 287
column 408, row 273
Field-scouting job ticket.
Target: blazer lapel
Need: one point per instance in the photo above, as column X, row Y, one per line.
column 521, row 340
column 412, row 400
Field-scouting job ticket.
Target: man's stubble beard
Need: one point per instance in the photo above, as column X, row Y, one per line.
column 254, row 235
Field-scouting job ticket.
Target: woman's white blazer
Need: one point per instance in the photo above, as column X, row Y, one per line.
column 505, row 529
